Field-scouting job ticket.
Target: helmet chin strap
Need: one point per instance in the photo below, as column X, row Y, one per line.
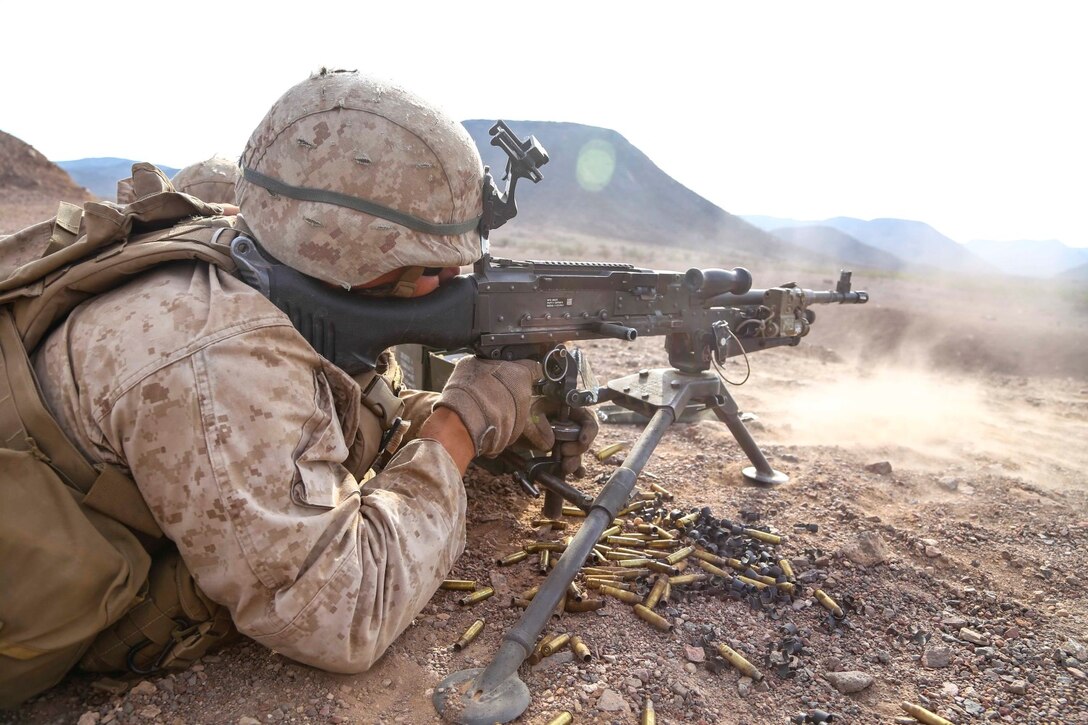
column 406, row 285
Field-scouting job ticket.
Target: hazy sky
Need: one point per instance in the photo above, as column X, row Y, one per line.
column 970, row 116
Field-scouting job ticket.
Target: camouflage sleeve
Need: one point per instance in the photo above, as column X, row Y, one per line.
column 237, row 442
column 417, row 407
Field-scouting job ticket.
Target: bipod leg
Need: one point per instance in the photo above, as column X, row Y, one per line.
column 760, row 472
column 496, row 694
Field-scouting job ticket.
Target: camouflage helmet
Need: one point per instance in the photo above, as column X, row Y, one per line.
column 348, row 178
column 211, row 181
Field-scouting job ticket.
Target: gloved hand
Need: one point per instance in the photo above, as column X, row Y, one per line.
column 492, row 399
column 540, row 436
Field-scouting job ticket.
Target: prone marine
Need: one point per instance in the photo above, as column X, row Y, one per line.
column 268, row 491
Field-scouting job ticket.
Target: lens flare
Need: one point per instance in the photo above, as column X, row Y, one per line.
column 596, row 164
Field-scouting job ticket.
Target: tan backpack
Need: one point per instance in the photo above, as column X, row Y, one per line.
column 77, row 580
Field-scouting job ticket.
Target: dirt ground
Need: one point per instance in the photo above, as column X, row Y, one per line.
column 958, row 562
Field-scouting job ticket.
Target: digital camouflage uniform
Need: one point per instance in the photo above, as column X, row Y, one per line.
column 249, row 449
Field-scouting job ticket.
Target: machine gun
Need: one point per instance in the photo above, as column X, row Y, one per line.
column 508, row 310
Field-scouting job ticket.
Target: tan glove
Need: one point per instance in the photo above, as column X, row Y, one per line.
column 492, row 398
column 540, row 435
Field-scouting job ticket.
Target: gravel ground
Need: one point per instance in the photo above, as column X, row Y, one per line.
column 958, row 562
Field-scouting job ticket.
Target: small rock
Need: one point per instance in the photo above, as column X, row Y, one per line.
column 950, row 689
column 933, row 552
column 690, row 668
column 1077, row 673
column 611, row 701
column 973, row 637
column 1017, row 687
column 247, row 720
column 848, row 682
column 110, row 685
column 948, row 483
column 557, row 659
column 150, row 712
column 88, row 718
column 744, row 686
column 694, row 654
column 1076, row 649
column 936, row 657
column 867, row 550
column 882, row 468
column 143, row 687
column 385, row 683
column 973, row 707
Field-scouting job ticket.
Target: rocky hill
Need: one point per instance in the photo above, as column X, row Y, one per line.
column 31, row 185
column 598, row 185
column 840, row 246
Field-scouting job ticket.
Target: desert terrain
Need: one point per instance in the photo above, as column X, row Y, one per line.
column 935, row 441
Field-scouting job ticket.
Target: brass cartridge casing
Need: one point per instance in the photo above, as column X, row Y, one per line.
column 753, row 582
column 470, row 634
column 707, row 566
column 668, row 591
column 556, row 524
column 764, row 536
column 555, row 644
column 608, row 451
column 520, row 602
column 829, row 604
column 513, row 558
column 647, row 717
column 574, row 511
column 623, row 541
column 458, row 585
column 611, row 531
column 680, row 555
column 662, row 568
column 622, row 594
column 633, row 563
column 709, row 558
column 578, row 647
column 530, row 593
column 586, row 605
column 575, row 592
column 787, row 567
column 653, row 618
column 665, row 493
column 683, row 521
column 655, row 592
column 598, row 583
column 563, row 718
column 923, row 715
column 743, row 666
column 534, row 546
column 478, row 596
column 687, row 579
column 661, row 544
column 545, row 561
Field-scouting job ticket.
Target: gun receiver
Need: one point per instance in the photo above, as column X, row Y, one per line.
column 509, row 310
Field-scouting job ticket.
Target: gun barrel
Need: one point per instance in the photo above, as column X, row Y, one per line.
column 812, row 297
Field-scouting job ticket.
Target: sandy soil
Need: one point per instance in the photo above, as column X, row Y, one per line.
column 981, row 524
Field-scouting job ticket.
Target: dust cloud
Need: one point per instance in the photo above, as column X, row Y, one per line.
column 940, row 422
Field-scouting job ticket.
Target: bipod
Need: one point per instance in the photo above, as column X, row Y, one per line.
column 495, row 694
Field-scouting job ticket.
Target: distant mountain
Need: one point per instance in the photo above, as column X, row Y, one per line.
column 31, row 185
column 1044, row 258
column 842, row 247
column 596, row 183
column 913, row 241
column 100, row 175
column 1077, row 274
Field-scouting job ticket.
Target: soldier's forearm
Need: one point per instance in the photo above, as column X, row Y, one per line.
column 444, row 426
